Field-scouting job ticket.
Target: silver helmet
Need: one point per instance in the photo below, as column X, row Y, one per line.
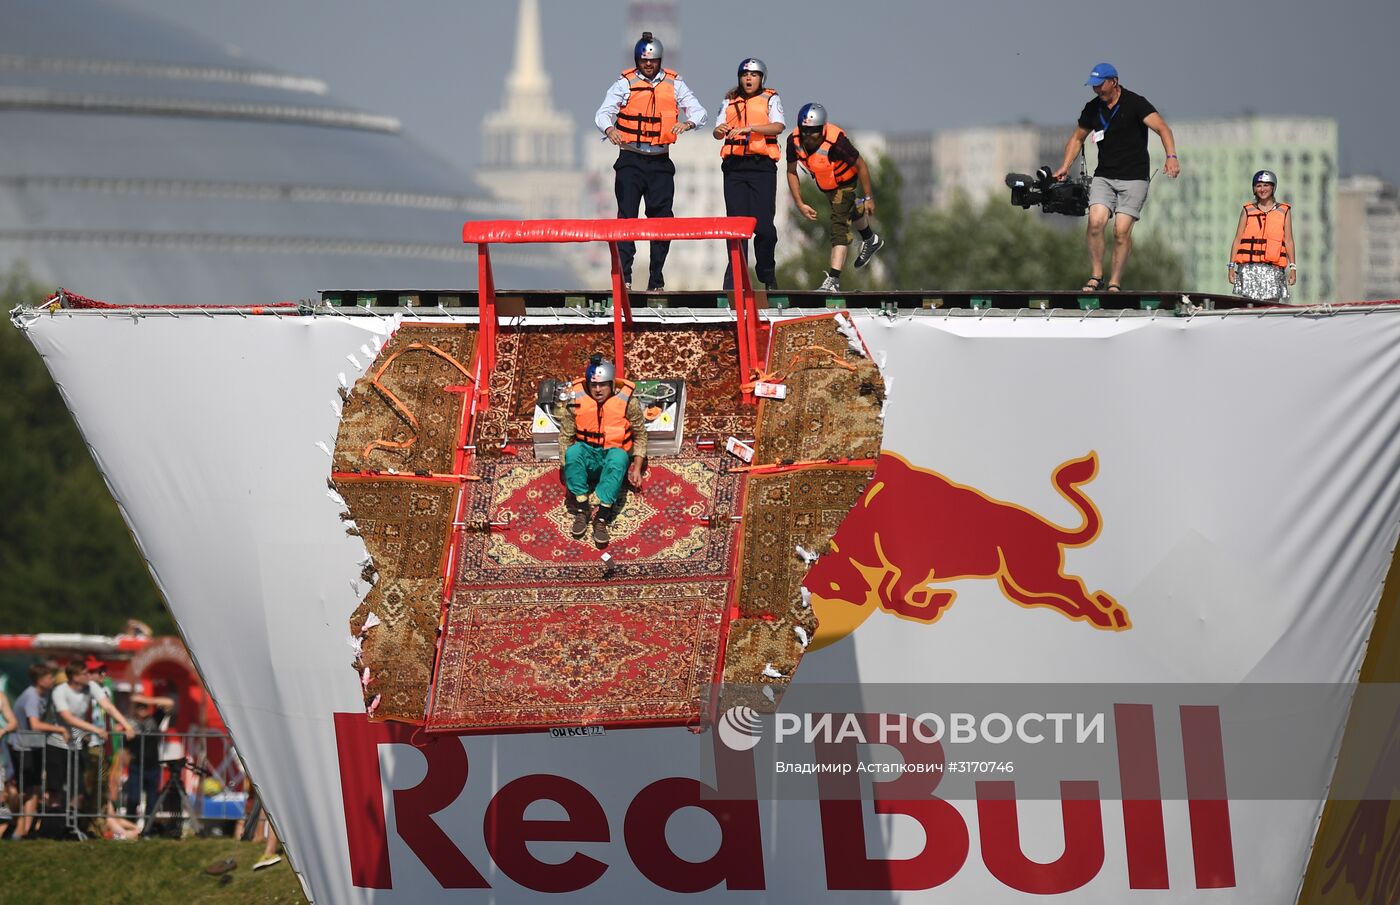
column 1268, row 176
column 599, row 370
column 754, row 64
column 648, row 48
column 811, row 117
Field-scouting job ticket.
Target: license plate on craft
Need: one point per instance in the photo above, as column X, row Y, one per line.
column 575, row 731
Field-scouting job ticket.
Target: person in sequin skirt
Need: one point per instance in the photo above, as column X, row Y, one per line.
column 1263, row 265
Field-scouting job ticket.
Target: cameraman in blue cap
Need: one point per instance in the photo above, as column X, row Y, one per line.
column 1116, row 120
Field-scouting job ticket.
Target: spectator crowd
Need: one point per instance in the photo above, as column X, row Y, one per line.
column 74, row 766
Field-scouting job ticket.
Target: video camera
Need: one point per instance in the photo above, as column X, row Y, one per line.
column 1070, row 198
column 176, row 764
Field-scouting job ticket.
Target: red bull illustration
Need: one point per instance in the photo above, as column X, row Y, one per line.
column 915, row 528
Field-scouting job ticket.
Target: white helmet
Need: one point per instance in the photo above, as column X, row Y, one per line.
column 648, row 48
column 599, row 370
column 811, row 117
column 1268, row 176
column 754, row 64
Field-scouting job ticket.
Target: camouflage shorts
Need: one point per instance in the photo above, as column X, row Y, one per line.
column 843, row 210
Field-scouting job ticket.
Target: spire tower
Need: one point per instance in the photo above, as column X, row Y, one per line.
column 528, row 146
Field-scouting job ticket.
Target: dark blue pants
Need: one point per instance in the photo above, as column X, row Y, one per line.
column 142, row 779
column 638, row 176
column 750, row 190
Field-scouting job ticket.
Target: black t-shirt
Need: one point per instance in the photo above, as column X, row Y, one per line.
column 151, row 729
column 1123, row 150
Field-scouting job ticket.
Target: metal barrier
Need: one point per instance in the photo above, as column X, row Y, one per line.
column 154, row 784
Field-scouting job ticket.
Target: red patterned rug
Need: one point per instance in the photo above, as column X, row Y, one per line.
column 541, row 631
column 557, row 655
column 662, row 532
column 706, row 357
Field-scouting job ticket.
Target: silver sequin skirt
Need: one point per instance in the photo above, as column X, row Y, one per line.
column 1262, row 282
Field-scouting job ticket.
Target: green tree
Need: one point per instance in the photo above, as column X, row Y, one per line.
column 805, row 266
column 963, row 246
column 68, row 561
column 998, row 246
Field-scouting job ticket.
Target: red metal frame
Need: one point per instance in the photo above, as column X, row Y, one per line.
column 486, row 332
column 622, row 308
column 733, row 230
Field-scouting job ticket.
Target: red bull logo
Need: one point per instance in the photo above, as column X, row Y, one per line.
column 915, row 530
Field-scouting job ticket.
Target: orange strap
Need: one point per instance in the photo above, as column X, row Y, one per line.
column 779, row 467
column 801, row 357
column 398, row 405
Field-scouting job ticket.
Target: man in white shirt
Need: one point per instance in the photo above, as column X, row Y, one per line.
column 71, row 704
column 641, row 114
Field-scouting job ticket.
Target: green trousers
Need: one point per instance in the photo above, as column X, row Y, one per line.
column 597, row 470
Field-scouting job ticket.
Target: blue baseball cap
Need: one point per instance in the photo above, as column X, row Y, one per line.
column 1101, row 73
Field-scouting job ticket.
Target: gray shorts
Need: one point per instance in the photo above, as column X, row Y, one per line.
column 1120, row 196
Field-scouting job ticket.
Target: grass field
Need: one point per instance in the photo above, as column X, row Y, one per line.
column 40, row 872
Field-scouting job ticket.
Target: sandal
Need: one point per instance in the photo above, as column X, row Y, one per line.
column 1093, row 284
column 1114, row 287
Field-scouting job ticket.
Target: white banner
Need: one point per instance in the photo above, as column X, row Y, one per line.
column 1244, row 473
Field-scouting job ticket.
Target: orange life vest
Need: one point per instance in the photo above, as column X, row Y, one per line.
column 1264, row 231
column 750, row 111
column 828, row 174
column 603, row 425
column 651, row 111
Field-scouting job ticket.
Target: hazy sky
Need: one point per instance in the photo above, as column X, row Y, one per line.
column 903, row 65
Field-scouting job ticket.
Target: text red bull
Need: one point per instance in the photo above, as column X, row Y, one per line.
column 739, row 863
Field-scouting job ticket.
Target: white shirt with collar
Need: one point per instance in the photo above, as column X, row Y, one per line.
column 691, row 109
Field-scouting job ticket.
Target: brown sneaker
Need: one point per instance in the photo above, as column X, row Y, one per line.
column 601, row 536
column 580, row 526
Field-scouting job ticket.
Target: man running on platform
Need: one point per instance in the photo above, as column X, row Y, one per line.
column 602, row 440
column 825, row 152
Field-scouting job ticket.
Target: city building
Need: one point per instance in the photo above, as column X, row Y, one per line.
column 1198, row 214
column 143, row 165
column 913, row 154
column 1368, row 239
column 528, row 147
column 935, row 166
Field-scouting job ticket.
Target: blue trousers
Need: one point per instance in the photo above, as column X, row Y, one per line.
column 597, row 470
